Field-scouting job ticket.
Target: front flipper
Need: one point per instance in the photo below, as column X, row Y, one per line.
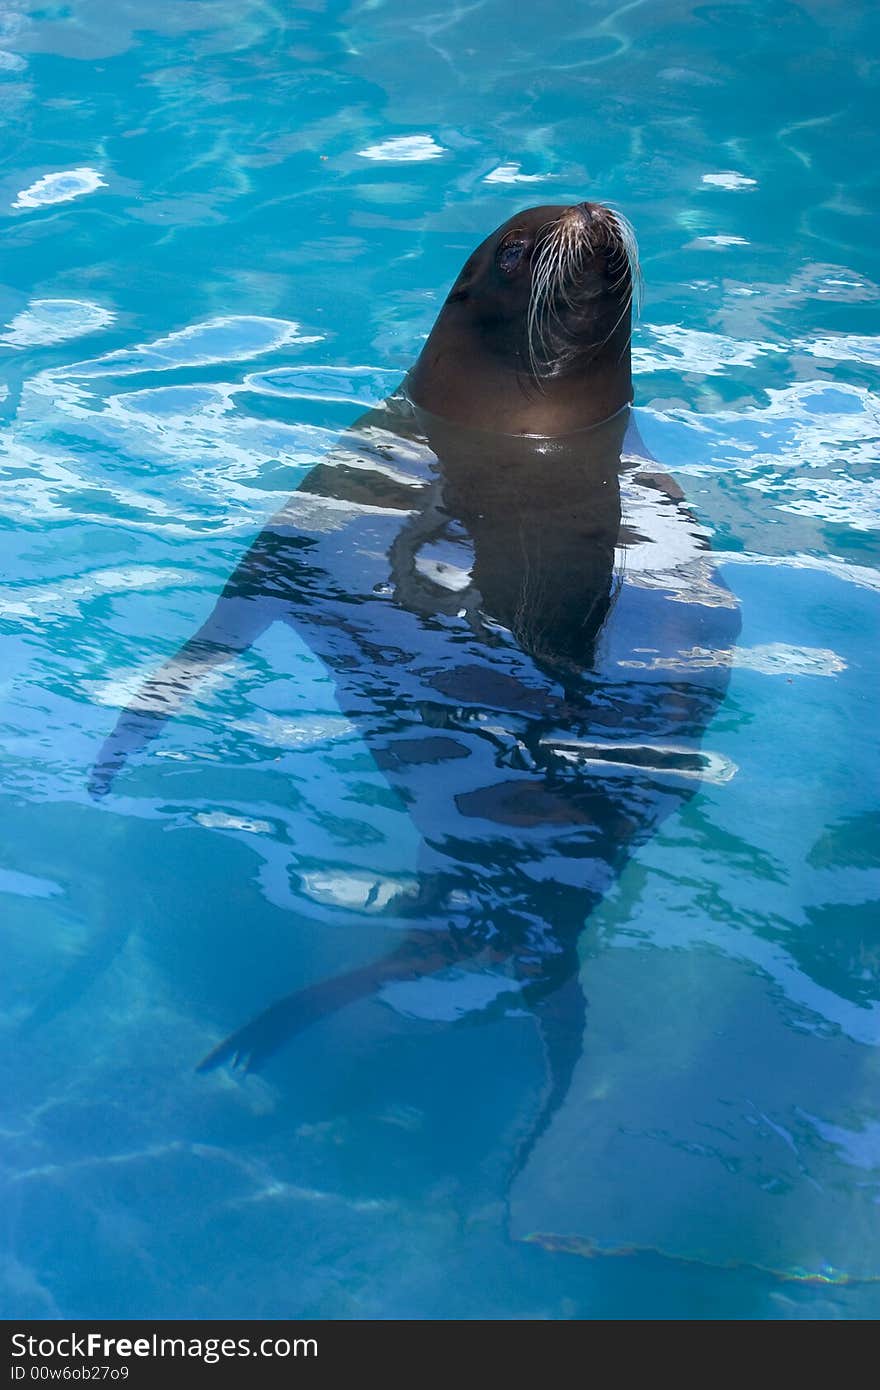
column 231, row 628
column 272, row 581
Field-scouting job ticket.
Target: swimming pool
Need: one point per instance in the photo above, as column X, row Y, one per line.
column 228, row 230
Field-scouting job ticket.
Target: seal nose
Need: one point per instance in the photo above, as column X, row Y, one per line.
column 579, row 212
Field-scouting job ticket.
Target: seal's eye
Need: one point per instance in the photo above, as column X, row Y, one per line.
column 510, row 255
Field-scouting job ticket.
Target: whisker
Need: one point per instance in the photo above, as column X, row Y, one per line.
column 564, row 247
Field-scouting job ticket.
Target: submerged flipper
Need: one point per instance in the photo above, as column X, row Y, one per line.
column 422, row 954
column 561, row 1011
column 240, row 615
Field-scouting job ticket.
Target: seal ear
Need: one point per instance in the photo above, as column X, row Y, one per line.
column 466, row 280
column 461, row 290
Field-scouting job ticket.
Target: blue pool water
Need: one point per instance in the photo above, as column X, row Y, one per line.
column 227, row 229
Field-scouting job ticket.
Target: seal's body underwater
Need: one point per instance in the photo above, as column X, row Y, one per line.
column 514, row 611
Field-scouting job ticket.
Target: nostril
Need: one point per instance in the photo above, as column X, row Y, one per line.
column 579, row 212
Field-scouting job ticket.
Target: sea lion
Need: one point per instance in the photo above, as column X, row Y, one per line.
column 517, row 614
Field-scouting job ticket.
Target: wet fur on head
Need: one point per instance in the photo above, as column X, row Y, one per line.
column 561, row 288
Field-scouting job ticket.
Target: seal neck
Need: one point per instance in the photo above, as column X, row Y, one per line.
column 429, row 424
column 454, row 381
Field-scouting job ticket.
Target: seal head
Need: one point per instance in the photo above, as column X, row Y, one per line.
column 534, row 336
